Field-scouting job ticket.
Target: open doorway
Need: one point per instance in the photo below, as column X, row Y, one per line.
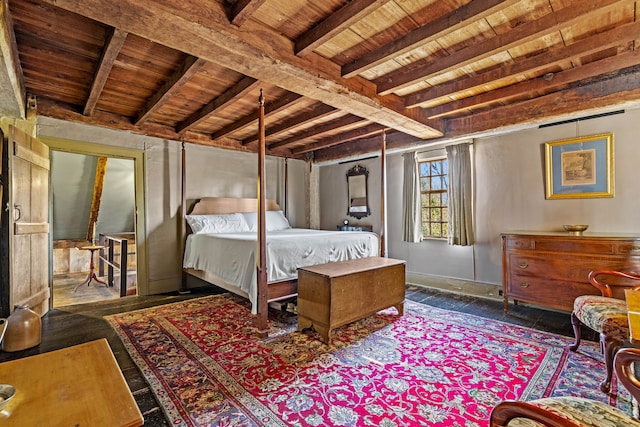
column 121, row 208
column 93, row 228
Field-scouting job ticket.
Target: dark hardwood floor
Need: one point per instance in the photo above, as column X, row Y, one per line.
column 75, row 324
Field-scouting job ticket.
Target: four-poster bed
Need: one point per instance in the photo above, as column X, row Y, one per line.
column 251, row 274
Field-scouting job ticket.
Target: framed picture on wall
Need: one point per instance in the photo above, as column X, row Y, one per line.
column 579, row 167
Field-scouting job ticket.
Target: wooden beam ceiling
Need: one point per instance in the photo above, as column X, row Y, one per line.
column 317, row 131
column 109, row 54
column 337, row 22
column 530, row 65
column 250, row 119
column 255, row 51
column 172, row 86
column 237, row 91
column 524, row 33
column 429, row 32
column 335, row 71
column 295, row 121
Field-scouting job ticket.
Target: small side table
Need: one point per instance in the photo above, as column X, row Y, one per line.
column 92, row 274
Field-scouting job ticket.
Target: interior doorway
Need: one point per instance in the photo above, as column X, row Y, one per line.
column 93, row 220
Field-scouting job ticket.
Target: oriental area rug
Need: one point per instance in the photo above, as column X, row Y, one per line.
column 431, row 367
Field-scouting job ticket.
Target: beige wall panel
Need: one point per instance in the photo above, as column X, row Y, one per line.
column 61, row 260
column 79, row 260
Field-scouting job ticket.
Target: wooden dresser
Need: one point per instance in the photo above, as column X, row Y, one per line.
column 551, row 269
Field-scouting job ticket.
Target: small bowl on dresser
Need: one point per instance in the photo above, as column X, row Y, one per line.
column 6, row 394
column 575, row 230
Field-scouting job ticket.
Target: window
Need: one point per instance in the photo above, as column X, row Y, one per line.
column 434, row 197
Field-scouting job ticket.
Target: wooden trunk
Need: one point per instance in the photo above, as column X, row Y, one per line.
column 334, row 294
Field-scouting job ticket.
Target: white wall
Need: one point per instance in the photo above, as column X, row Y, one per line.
column 210, row 172
column 510, row 195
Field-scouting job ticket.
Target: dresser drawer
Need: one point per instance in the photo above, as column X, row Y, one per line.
column 551, row 293
column 567, row 267
column 630, row 248
column 519, row 243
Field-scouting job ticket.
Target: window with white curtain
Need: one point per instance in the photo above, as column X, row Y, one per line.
column 434, row 197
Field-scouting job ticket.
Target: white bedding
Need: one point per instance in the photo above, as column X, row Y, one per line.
column 231, row 256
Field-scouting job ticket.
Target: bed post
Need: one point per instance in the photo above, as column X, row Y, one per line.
column 286, row 185
column 183, row 226
column 263, row 297
column 383, row 193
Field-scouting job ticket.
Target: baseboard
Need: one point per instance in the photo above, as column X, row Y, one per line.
column 461, row 286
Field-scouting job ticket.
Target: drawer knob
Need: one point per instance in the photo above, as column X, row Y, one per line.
column 523, row 264
column 524, row 285
column 518, row 243
column 635, row 249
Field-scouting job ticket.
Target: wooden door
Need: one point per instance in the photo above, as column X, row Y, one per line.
column 28, row 221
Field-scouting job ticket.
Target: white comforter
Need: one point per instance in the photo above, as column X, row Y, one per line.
column 232, row 256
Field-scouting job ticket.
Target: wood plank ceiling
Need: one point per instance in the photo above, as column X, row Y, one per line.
column 334, row 73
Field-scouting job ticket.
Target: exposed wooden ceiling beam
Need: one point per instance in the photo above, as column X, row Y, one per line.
column 180, row 77
column 547, row 24
column 544, row 83
column 256, row 51
column 339, row 139
column 367, row 145
column 243, row 9
column 96, row 199
column 337, row 22
column 62, row 111
column 317, row 131
column 250, row 119
column 533, row 64
column 618, row 90
column 114, row 43
column 447, row 24
column 231, row 95
column 295, row 121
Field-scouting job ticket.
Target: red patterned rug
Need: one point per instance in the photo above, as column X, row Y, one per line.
column 430, row 367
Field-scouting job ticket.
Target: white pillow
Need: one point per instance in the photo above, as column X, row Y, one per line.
column 227, row 223
column 275, row 220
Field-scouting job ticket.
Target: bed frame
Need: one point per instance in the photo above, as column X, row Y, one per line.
column 267, row 292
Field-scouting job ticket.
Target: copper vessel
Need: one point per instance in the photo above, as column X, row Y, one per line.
column 23, row 329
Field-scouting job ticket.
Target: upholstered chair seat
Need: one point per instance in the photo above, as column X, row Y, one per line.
column 606, row 314
column 573, row 411
column 579, row 411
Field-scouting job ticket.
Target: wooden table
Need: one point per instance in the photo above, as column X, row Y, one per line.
column 337, row 293
column 92, row 267
column 75, row 386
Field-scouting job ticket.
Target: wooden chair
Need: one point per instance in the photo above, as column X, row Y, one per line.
column 606, row 314
column 572, row 411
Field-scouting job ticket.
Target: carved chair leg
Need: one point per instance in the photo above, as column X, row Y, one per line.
column 576, row 323
column 610, row 348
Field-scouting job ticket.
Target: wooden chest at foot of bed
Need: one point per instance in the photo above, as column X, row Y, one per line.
column 337, row 293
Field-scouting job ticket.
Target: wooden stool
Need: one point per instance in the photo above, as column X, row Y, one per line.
column 92, row 274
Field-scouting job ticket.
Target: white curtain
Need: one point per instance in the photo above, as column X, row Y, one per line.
column 460, row 195
column 411, row 223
